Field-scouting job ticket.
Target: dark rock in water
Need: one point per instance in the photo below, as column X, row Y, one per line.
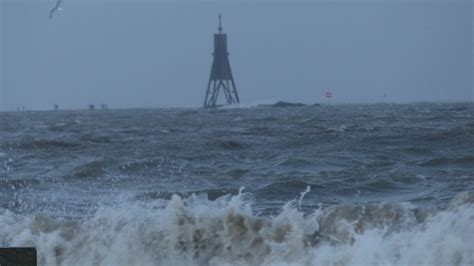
column 283, row 104
column 287, row 104
column 316, row 104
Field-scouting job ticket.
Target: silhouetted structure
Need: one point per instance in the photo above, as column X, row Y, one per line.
column 56, row 107
column 221, row 74
column 91, row 107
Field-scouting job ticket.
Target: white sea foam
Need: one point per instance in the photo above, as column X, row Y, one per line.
column 196, row 231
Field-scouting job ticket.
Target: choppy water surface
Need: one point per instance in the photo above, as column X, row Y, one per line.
column 344, row 185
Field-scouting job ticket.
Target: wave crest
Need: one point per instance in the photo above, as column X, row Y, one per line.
column 198, row 231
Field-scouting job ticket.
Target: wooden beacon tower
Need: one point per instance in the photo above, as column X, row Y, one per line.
column 221, row 74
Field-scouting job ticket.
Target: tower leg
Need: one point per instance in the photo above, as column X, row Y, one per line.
column 234, row 90
column 232, row 99
column 225, row 88
column 213, row 90
column 206, row 99
column 215, row 94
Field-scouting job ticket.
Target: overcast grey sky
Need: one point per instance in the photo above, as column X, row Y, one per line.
column 158, row 53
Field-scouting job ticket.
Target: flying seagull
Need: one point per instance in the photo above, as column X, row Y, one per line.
column 56, row 7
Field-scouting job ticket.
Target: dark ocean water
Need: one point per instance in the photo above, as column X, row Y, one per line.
column 324, row 185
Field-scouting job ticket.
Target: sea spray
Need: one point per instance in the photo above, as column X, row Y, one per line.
column 308, row 189
column 198, row 231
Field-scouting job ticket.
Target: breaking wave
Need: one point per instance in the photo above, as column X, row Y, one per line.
column 227, row 231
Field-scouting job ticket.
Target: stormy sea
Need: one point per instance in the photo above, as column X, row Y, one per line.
column 373, row 184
